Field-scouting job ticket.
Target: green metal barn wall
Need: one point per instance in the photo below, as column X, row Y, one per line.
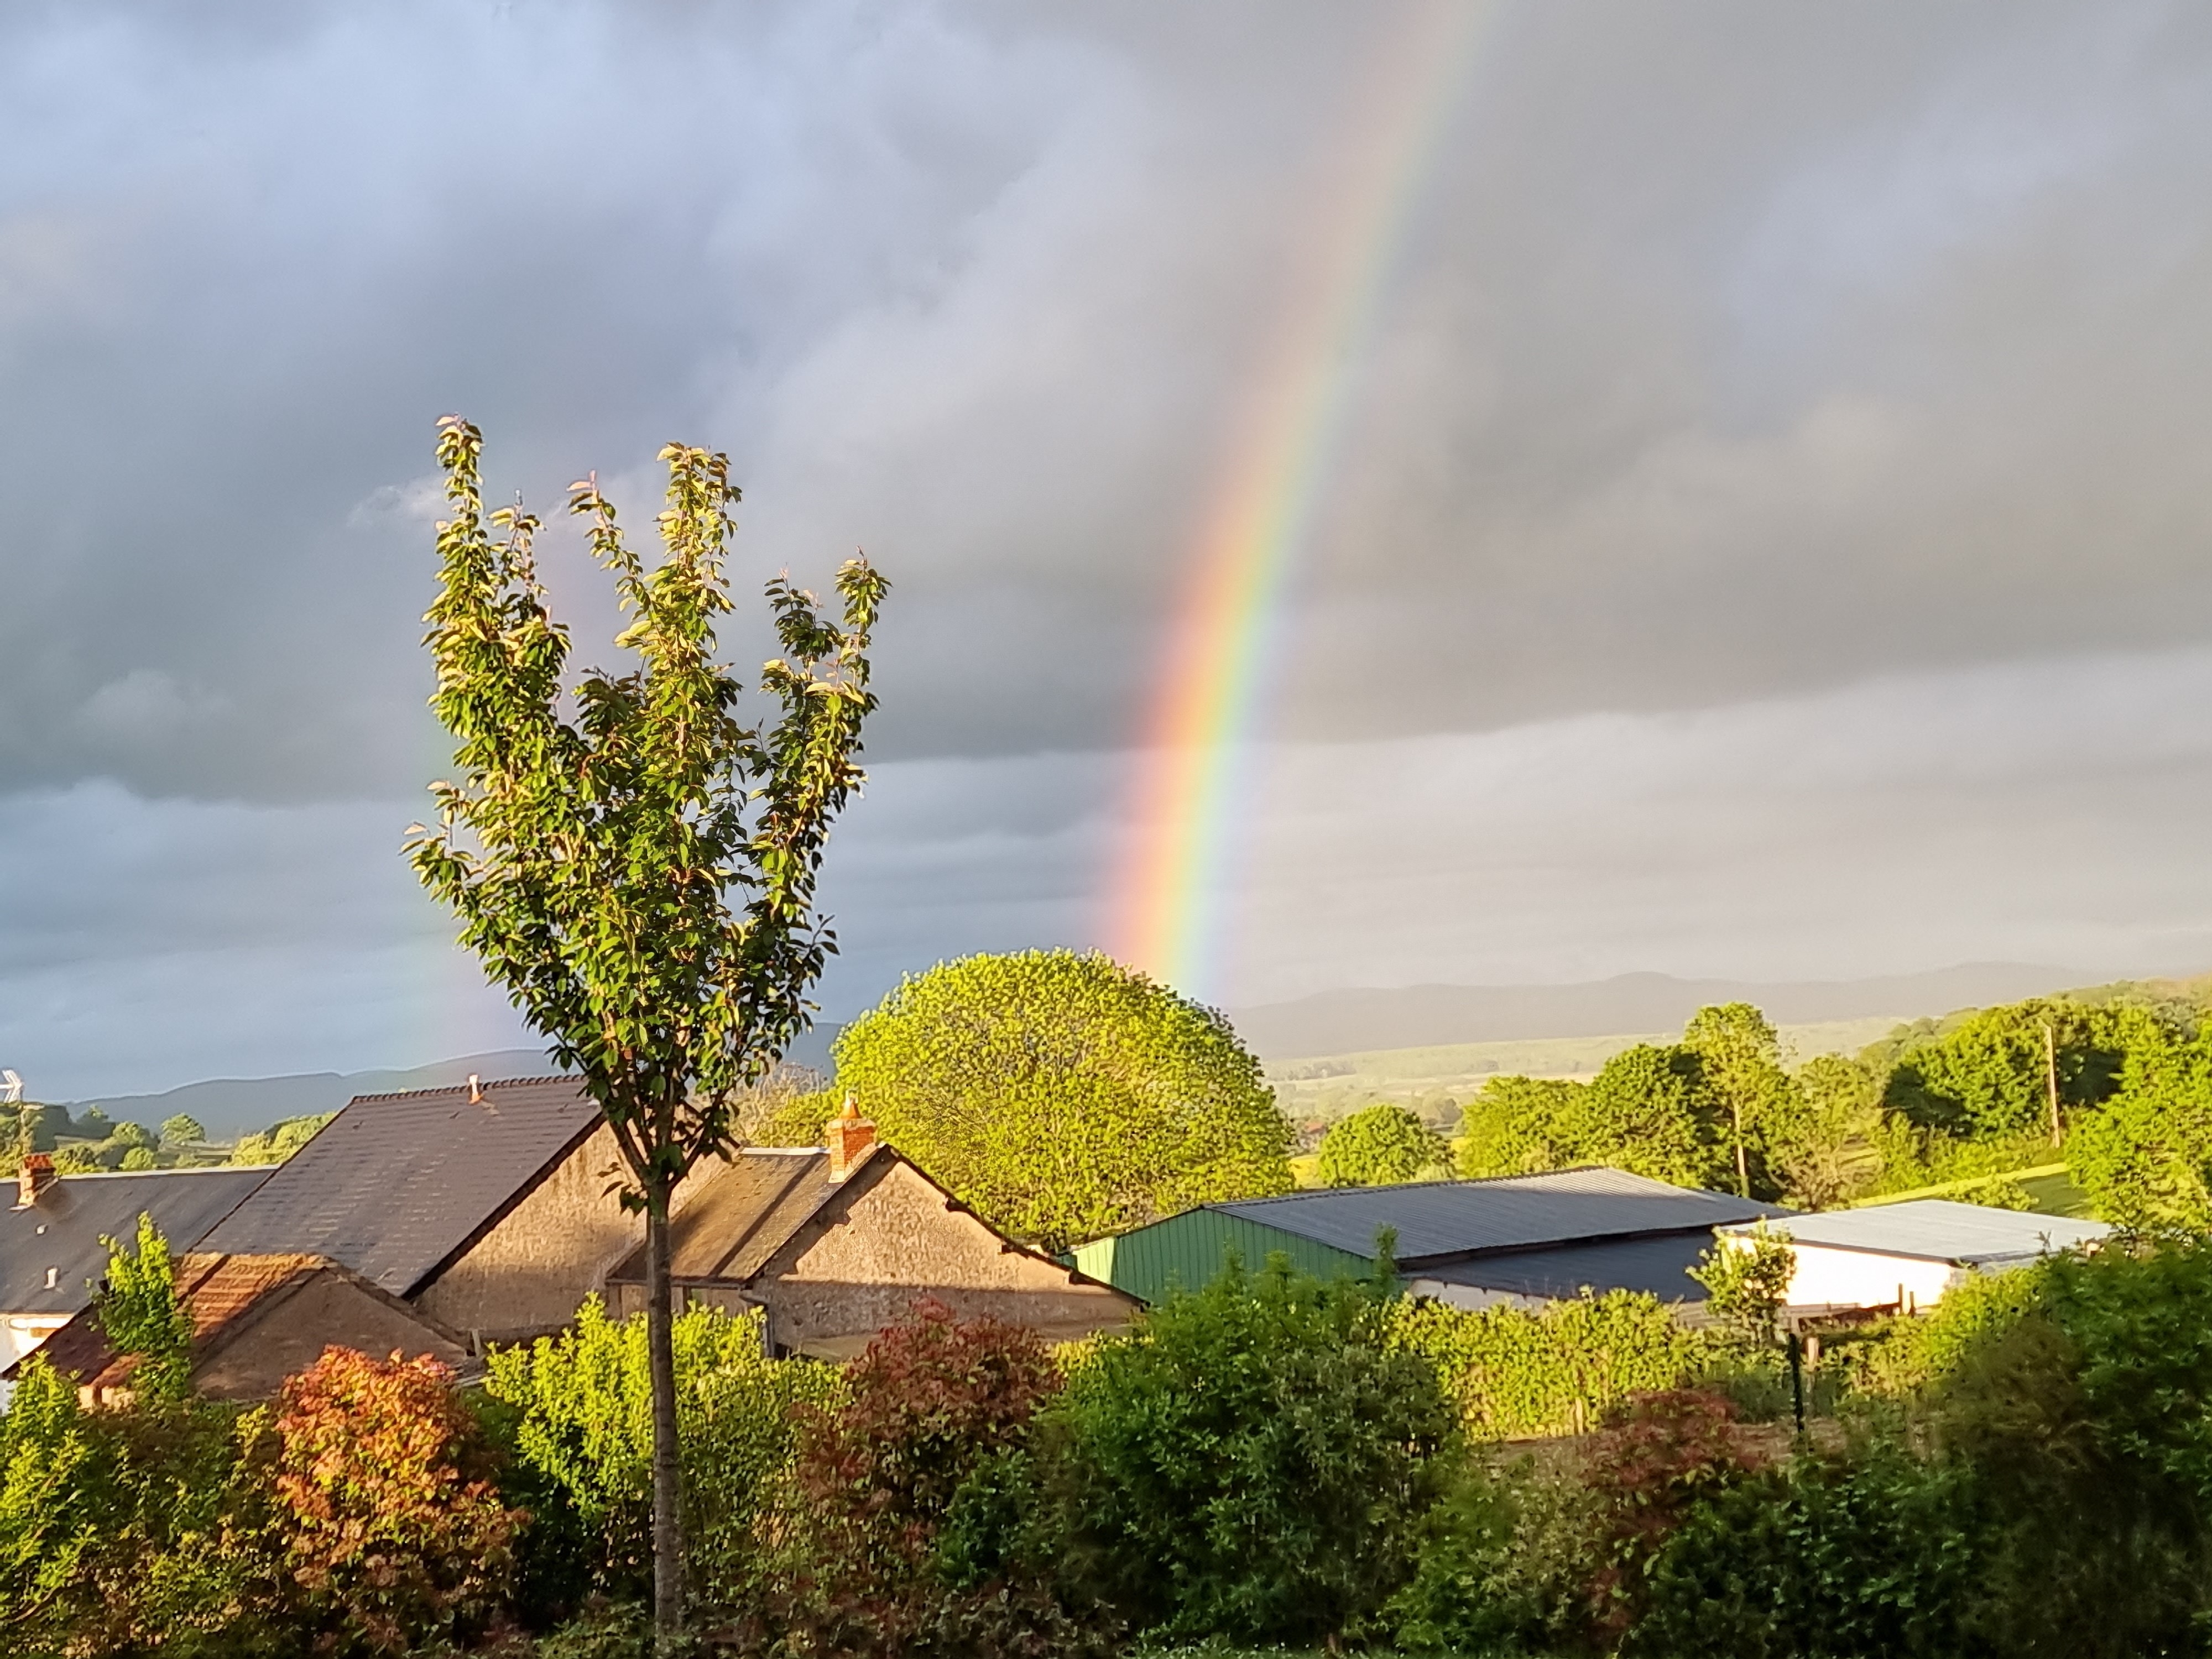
column 1191, row 1250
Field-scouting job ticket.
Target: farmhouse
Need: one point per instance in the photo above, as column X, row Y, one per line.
column 50, row 1253
column 491, row 1208
column 256, row 1320
column 494, row 1210
column 1519, row 1241
column 835, row 1243
column 1907, row 1256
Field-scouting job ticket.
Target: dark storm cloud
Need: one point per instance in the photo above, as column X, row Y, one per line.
column 1738, row 360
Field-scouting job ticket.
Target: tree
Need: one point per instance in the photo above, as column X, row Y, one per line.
column 634, row 864
column 1740, row 1057
column 1746, row 1279
column 1521, row 1125
column 1065, row 1095
column 1376, row 1146
column 1994, row 1073
column 182, row 1130
column 138, row 1308
column 2146, row 1159
column 1648, row 1110
column 1817, row 1147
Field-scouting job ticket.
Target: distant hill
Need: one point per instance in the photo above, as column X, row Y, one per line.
column 229, row 1107
column 1423, row 1015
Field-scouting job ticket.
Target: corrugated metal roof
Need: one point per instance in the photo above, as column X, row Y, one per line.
column 1190, row 1250
column 395, row 1184
column 1442, row 1218
column 1941, row 1230
column 1659, row 1266
column 62, row 1230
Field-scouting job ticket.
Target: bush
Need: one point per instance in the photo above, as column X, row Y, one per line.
column 582, row 1427
column 1862, row 1556
column 392, row 1527
column 932, row 1401
column 1515, row 1373
column 1251, row 1463
column 1482, row 1582
column 1905, row 1354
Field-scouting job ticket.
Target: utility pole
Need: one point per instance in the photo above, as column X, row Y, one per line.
column 2051, row 1076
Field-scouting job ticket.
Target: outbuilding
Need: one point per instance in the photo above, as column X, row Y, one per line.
column 256, row 1321
column 52, row 1248
column 1907, row 1256
column 1517, row 1240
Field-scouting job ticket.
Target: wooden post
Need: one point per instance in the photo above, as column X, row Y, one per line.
column 2051, row 1076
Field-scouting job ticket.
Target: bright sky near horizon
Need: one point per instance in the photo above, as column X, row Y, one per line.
column 1735, row 505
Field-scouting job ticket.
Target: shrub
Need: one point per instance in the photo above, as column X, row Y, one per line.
column 1377, row 1145
column 1512, row 1372
column 1658, row 1455
column 583, row 1427
column 1747, row 1282
column 1477, row 1585
column 1905, row 1354
column 138, row 1309
column 393, row 1530
column 1251, row 1462
column 1868, row 1555
column 932, row 1401
column 57, row 1499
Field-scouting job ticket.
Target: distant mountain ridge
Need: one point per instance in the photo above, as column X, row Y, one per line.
column 1350, row 1022
column 228, row 1107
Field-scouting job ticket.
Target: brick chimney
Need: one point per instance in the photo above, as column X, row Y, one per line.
column 34, row 1178
column 850, row 1136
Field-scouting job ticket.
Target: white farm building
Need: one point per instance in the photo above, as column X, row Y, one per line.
column 1907, row 1256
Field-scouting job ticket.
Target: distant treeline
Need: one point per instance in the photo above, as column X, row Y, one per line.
column 2116, row 1083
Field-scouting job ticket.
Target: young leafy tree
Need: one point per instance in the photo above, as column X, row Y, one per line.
column 138, row 1307
column 633, row 862
column 1740, row 1055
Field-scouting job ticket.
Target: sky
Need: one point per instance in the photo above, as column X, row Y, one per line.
column 1764, row 533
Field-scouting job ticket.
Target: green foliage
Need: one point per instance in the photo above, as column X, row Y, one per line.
column 1739, row 1065
column 584, row 1405
column 1380, row 1146
column 1988, row 1077
column 1746, row 1279
column 1251, row 1463
column 2146, row 1160
column 1912, row 1352
column 182, row 1130
column 280, row 1140
column 635, row 865
column 1512, row 1372
column 76, row 1159
column 1483, row 1581
column 1817, row 1150
column 1521, row 1125
column 1871, row 1554
column 392, row 1528
column 138, row 1307
column 912, row 1494
column 57, row 1498
column 138, row 1158
column 1063, row 1095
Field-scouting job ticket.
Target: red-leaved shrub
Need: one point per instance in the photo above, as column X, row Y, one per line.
column 394, row 1531
column 929, row 1400
column 1657, row 1455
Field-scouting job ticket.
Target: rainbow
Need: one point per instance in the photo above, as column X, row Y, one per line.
column 1193, row 759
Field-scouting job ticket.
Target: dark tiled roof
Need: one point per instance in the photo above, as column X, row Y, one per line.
column 1442, row 1218
column 747, row 1211
column 1659, row 1265
column 396, row 1184
column 62, row 1230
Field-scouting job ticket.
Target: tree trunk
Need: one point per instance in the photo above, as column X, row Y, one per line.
column 667, row 1469
column 1742, row 1164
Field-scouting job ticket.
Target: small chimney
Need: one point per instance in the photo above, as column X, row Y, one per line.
column 36, row 1175
column 476, row 1090
column 850, row 1136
